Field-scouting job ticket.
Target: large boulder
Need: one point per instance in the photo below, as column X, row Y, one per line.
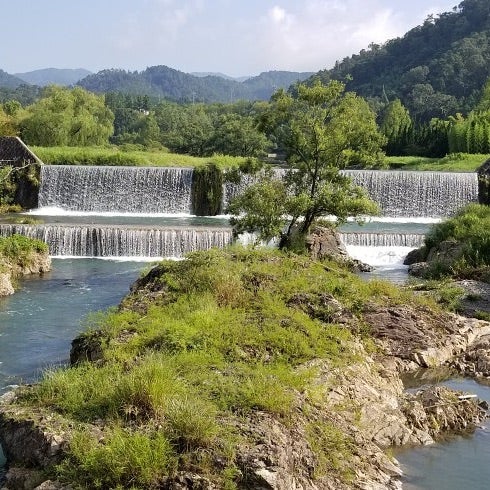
column 324, row 242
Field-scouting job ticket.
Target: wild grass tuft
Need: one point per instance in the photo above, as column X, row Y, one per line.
column 123, row 459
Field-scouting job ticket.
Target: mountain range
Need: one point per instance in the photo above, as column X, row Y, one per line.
column 161, row 81
column 48, row 76
column 436, row 69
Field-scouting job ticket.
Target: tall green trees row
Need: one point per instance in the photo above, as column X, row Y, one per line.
column 470, row 134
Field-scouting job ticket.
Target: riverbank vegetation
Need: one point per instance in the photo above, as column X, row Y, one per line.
column 198, row 348
column 468, row 235
column 114, row 155
column 455, row 162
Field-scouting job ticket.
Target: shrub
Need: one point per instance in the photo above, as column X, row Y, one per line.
column 470, row 227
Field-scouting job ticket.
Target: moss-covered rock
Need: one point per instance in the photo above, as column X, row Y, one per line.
column 207, row 190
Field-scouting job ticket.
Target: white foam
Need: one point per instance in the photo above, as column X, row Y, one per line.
column 379, row 256
column 56, row 211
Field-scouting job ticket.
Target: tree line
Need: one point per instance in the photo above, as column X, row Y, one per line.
column 77, row 117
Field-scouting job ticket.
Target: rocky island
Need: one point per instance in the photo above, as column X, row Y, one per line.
column 243, row 369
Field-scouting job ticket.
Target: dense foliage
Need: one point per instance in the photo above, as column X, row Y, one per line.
column 224, row 337
column 427, row 89
column 65, row 117
column 436, row 69
column 470, row 227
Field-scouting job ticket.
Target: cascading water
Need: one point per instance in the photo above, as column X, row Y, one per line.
column 427, row 194
column 122, row 241
column 412, row 240
column 116, row 189
column 158, row 190
column 401, row 193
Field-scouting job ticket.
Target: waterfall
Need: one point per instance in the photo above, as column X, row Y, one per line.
column 168, row 190
column 418, row 194
column 121, row 241
column 412, row 240
column 116, row 189
column 401, row 193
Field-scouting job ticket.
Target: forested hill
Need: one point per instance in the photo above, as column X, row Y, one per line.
column 9, row 81
column 162, row 81
column 436, row 69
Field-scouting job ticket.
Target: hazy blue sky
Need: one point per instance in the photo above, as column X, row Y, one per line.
column 236, row 37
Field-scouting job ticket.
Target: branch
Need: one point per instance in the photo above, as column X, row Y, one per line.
column 11, row 170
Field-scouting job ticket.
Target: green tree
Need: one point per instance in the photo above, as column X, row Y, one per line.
column 149, row 133
column 323, row 129
column 8, row 126
column 238, row 136
column 396, row 125
column 68, row 117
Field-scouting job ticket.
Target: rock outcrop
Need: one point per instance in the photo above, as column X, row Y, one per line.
column 323, row 242
column 444, row 254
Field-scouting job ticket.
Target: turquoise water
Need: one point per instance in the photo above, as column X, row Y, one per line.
column 38, row 322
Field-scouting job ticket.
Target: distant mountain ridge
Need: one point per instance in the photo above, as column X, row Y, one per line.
column 163, row 81
column 9, row 81
column 57, row 76
column 218, row 74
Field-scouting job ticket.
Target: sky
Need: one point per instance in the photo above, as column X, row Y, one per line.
column 235, row 37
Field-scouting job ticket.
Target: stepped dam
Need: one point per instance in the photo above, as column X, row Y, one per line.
column 169, row 190
column 159, row 192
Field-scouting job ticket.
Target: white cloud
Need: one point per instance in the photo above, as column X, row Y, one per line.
column 277, row 14
column 312, row 36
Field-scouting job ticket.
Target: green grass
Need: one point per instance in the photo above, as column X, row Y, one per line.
column 456, row 162
column 230, row 338
column 117, row 156
column 20, row 250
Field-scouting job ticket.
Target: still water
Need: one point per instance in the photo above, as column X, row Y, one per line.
column 461, row 462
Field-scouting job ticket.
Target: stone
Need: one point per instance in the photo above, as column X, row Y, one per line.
column 415, row 256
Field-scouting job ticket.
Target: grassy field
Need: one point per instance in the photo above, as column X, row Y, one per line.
column 115, row 156
column 456, row 162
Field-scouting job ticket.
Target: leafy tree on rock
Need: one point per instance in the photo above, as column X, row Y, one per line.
column 323, row 130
